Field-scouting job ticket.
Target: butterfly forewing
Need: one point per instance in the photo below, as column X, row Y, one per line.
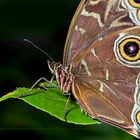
column 93, row 20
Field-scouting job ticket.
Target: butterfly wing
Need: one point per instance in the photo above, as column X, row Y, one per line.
column 106, row 79
column 106, row 86
column 99, row 107
column 94, row 20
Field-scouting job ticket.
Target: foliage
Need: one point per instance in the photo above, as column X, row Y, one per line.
column 53, row 102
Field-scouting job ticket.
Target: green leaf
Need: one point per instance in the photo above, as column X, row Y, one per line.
column 53, row 102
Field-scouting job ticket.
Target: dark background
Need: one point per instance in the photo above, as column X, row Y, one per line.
column 44, row 22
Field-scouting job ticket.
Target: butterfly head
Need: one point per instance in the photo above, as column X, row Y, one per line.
column 62, row 75
column 52, row 66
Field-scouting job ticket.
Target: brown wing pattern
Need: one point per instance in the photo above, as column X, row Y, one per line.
column 103, row 51
column 104, row 87
column 93, row 20
column 99, row 107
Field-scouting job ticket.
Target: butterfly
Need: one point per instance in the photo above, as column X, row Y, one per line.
column 101, row 62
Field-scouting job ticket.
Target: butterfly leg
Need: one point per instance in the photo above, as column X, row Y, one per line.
column 46, row 85
column 43, row 79
column 36, row 83
column 66, row 106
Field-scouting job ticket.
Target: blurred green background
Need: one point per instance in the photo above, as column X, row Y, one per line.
column 45, row 22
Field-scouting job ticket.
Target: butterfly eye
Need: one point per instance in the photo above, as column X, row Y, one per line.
column 138, row 117
column 135, row 3
column 127, row 50
column 130, row 49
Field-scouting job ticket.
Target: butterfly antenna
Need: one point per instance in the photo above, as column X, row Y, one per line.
column 26, row 40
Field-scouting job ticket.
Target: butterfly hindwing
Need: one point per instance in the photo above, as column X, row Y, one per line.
column 107, row 88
